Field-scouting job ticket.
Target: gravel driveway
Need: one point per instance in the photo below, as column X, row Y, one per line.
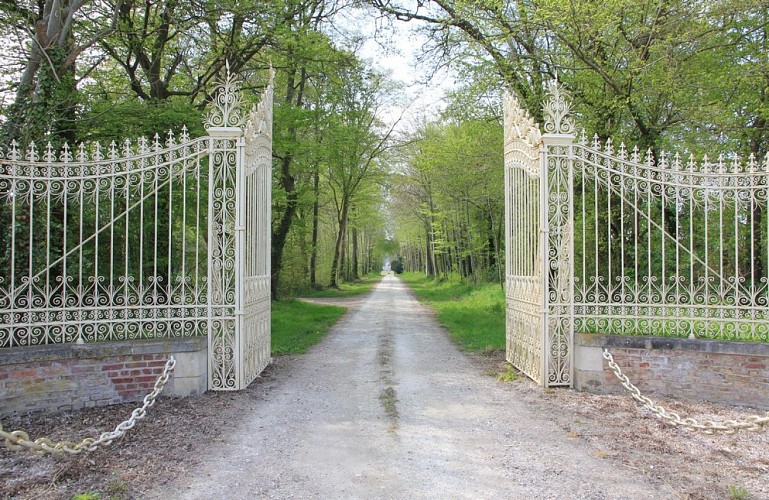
column 387, row 407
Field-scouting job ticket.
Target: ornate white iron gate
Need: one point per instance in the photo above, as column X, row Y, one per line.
column 523, row 263
column 538, row 235
column 240, row 231
column 607, row 241
column 254, row 243
column 169, row 238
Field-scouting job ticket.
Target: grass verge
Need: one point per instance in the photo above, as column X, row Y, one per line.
column 474, row 315
column 363, row 285
column 298, row 325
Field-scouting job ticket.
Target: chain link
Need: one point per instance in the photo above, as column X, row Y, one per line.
column 19, row 440
column 750, row 423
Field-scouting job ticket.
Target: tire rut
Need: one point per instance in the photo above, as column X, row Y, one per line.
column 387, row 407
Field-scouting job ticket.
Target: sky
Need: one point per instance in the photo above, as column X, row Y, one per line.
column 393, row 47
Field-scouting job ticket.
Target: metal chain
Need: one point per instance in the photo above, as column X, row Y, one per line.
column 19, row 440
column 750, row 423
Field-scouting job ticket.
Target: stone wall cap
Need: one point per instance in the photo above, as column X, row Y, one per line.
column 26, row 354
column 674, row 343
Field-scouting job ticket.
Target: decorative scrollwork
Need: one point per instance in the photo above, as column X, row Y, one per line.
column 227, row 108
column 557, row 118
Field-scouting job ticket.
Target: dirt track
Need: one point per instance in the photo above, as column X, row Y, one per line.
column 387, row 407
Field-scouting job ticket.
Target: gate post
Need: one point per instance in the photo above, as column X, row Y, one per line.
column 240, row 175
column 557, row 226
column 224, row 228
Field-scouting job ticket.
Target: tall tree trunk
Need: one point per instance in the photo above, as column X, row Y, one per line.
column 354, row 259
column 430, row 267
column 288, row 183
column 45, row 108
column 432, row 270
column 314, row 244
column 294, row 96
column 370, row 254
column 343, row 264
column 473, row 264
column 339, row 247
column 494, row 250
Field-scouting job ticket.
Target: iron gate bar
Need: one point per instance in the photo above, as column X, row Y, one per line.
column 645, row 247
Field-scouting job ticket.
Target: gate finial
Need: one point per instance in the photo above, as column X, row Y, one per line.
column 557, row 118
column 226, row 111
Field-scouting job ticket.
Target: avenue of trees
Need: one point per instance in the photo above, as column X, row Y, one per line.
column 681, row 75
column 84, row 70
column 688, row 75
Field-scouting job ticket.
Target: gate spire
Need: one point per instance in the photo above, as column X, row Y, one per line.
column 557, row 117
column 227, row 106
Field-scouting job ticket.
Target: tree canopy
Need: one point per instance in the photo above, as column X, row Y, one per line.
column 348, row 190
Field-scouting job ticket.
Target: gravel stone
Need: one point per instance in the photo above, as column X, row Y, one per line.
column 387, row 407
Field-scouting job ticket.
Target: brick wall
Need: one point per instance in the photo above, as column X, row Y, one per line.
column 735, row 373
column 64, row 377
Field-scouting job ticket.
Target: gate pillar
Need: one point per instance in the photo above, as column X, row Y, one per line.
column 557, row 220
column 239, row 223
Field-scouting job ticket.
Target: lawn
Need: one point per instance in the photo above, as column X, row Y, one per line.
column 297, row 325
column 363, row 285
column 474, row 315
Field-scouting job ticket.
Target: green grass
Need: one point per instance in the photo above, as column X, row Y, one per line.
column 298, row 325
column 474, row 315
column 363, row 285
column 738, row 493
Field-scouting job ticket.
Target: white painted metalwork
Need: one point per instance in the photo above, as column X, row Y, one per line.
column 255, row 224
column 631, row 245
column 108, row 243
column 524, row 288
column 162, row 238
column 558, row 224
column 670, row 247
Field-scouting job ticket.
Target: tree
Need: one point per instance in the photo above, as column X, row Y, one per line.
column 356, row 143
column 309, row 61
column 172, row 48
column 450, row 186
column 52, row 35
column 638, row 71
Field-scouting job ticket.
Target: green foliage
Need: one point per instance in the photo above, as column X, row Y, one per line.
column 86, row 496
column 474, row 315
column 510, row 374
column 348, row 289
column 296, row 325
column 738, row 493
column 45, row 110
column 648, row 72
column 107, row 121
column 325, row 186
column 449, row 200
